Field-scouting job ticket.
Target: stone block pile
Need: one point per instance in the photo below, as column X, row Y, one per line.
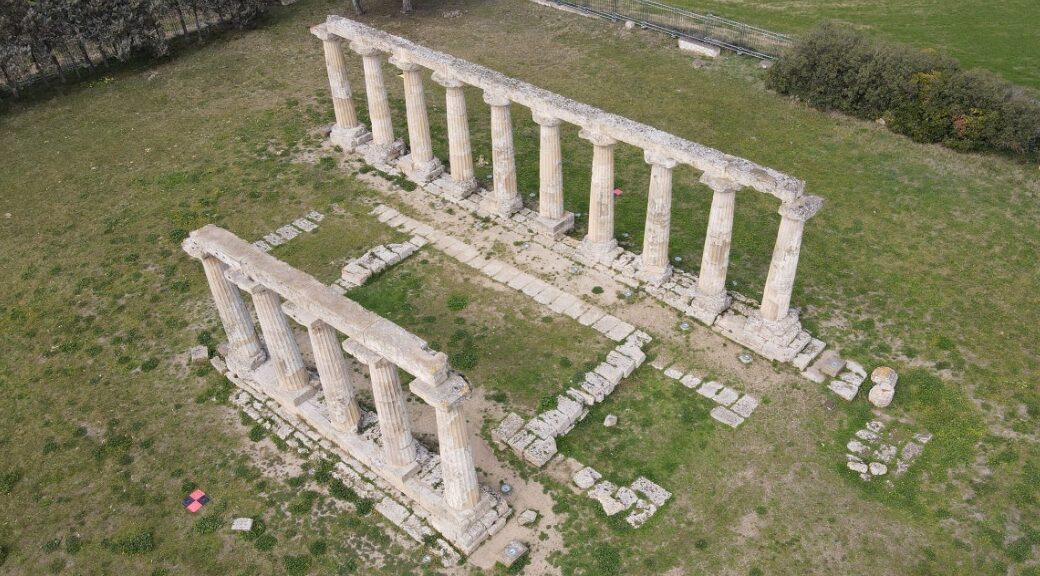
column 283, row 234
column 846, row 376
column 875, row 449
column 359, row 270
column 535, row 439
column 641, row 499
column 732, row 407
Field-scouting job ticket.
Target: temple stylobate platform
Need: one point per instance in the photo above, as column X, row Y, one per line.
column 772, row 328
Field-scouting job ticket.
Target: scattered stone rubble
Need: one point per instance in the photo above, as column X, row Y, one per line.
column 290, row 231
column 875, row 448
column 359, row 270
column 641, row 499
column 308, row 443
column 535, row 440
column 732, row 406
column 846, row 375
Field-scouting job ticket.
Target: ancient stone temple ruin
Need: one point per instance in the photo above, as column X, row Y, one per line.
column 270, row 364
column 771, row 328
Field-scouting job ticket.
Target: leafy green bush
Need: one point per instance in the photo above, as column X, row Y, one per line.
column 8, row 480
column 297, row 565
column 920, row 94
column 208, row 524
column 457, row 302
column 265, row 542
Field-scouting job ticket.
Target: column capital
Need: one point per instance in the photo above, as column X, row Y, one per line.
column 657, row 159
column 543, row 118
column 402, row 62
column 244, row 281
column 496, row 99
column 801, row 209
column 323, row 34
column 597, row 138
column 364, row 49
column 719, row 185
column 447, row 80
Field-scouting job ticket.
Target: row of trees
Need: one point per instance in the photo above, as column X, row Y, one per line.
column 921, row 94
column 53, row 38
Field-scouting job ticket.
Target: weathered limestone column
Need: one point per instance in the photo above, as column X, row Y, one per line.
column 419, row 164
column 504, row 199
column 348, row 132
column 776, row 299
column 394, row 426
column 384, row 147
column 461, row 490
column 460, row 152
column 244, row 349
column 654, row 266
column 281, row 343
column 710, row 297
column 334, row 374
column 552, row 219
column 600, row 240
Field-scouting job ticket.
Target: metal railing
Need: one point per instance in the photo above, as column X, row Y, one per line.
column 715, row 30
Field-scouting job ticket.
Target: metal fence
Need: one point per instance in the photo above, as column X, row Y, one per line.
column 714, row 30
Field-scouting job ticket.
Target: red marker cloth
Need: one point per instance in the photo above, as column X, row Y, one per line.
column 617, row 192
column 195, row 501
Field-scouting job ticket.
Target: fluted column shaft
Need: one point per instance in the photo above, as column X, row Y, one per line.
column 461, row 490
column 654, row 265
column 600, row 237
column 776, row 298
column 420, row 146
column 375, row 91
column 504, row 199
column 336, row 64
column 334, row 374
column 281, row 344
column 394, row 426
column 715, row 259
column 460, row 151
column 550, row 169
column 243, row 343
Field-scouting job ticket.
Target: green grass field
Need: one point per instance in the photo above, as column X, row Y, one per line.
column 922, row 257
column 998, row 36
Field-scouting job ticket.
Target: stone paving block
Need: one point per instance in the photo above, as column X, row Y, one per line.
column 643, row 511
column 540, row 452
column 493, row 267
column 745, row 406
column 562, row 302
column 709, row 389
column 274, row 239
column 392, row 511
column 726, row 396
column 540, row 428
column 315, row 216
column 548, row 295
column 534, row 287
column 611, row 373
column 520, row 441
column 620, row 331
column 691, row 381
column 624, row 363
column 586, row 477
column 507, row 428
column 288, row 232
column 520, row 280
column 591, row 316
column 576, row 310
column 632, row 351
column 305, row 225
column 674, row 372
column 605, row 324
column 843, row 389
column 726, row 416
column 506, row 274
column 654, row 492
column 262, row 245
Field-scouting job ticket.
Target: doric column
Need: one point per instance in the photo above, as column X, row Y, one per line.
column 654, row 266
column 600, row 240
column 460, row 152
column 281, row 343
column 348, row 132
column 420, row 164
column 776, row 299
column 552, row 219
column 383, row 148
column 504, row 199
column 461, row 490
column 394, row 426
column 335, row 377
column 244, row 350
column 709, row 297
